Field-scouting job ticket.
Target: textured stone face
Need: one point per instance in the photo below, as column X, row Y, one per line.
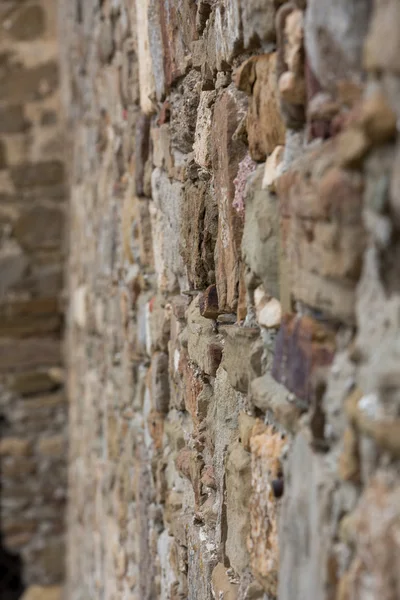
column 232, row 339
column 227, row 153
column 33, row 407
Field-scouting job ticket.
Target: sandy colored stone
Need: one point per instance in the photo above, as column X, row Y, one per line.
column 146, row 77
column 265, row 128
column 222, row 585
column 15, row 447
column 266, row 451
column 36, row 592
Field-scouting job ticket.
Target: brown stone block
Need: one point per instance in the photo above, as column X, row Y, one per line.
column 25, row 85
column 18, row 467
column 43, row 173
column 229, row 111
column 10, row 446
column 52, row 446
column 12, row 119
column 265, row 127
column 33, row 382
column 208, row 303
column 172, row 32
column 33, row 317
column 40, row 228
column 16, row 354
column 28, row 24
column 322, row 231
column 199, row 233
column 303, row 347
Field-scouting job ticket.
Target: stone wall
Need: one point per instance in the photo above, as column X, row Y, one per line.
column 233, row 332
column 33, row 408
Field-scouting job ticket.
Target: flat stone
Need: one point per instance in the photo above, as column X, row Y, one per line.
column 227, row 153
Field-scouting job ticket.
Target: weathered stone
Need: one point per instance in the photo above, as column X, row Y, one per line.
column 258, row 18
column 203, row 133
column 203, row 345
column 39, row 227
column 29, row 353
column 322, row 233
column 260, row 250
column 198, row 233
column 302, row 524
column 184, row 113
column 242, row 348
column 43, row 173
column 266, row 453
column 23, row 85
column 15, row 447
column 53, row 446
column 142, row 146
column 173, row 29
column 334, row 36
column 221, row 584
column 238, row 482
column 13, row 120
column 273, row 398
column 28, row 24
column 376, row 545
column 34, row 317
column 208, row 303
column 159, row 382
column 227, row 153
column 265, row 128
column 166, row 218
column 303, row 348
column 378, row 56
column 146, row 77
column 34, row 382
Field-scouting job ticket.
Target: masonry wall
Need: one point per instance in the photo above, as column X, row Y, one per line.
column 33, row 407
column 233, row 327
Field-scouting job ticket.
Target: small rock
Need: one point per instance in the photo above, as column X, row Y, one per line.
column 272, row 168
column 268, row 309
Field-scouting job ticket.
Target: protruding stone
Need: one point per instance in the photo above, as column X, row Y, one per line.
column 303, row 347
column 265, row 128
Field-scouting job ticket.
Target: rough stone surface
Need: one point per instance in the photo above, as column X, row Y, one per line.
column 33, row 407
column 232, row 328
